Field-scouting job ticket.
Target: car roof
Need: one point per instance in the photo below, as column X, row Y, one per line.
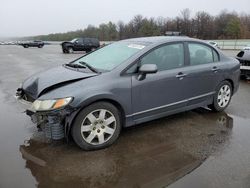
column 87, row 38
column 160, row 39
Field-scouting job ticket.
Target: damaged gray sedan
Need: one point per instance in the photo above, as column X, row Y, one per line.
column 127, row 83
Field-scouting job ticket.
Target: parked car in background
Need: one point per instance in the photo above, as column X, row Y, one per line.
column 244, row 58
column 126, row 83
column 173, row 33
column 247, row 47
column 80, row 44
column 214, row 44
column 35, row 43
column 11, row 43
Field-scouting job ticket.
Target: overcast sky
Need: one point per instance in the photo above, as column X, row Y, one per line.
column 35, row 17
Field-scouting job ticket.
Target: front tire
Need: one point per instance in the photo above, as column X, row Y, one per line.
column 222, row 97
column 70, row 50
column 97, row 126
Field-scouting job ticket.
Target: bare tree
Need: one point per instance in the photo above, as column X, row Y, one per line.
column 203, row 25
column 185, row 21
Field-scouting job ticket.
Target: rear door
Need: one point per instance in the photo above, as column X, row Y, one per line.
column 165, row 90
column 204, row 73
column 87, row 44
column 32, row 43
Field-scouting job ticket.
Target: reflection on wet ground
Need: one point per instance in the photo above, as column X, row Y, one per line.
column 193, row 149
column 154, row 154
column 227, row 167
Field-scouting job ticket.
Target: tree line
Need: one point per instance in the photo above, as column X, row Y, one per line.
column 226, row 25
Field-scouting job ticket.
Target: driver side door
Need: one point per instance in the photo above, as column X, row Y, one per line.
column 78, row 46
column 164, row 91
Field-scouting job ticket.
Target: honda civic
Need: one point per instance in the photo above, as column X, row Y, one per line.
column 127, row 83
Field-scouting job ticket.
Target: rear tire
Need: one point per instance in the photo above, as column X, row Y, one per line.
column 26, row 46
column 97, row 126
column 222, row 97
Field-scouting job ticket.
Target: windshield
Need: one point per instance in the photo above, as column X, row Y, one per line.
column 110, row 56
column 74, row 40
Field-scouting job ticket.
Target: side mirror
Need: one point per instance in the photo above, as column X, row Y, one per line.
column 147, row 69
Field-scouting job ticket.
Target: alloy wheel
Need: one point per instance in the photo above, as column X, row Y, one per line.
column 70, row 50
column 98, row 127
column 224, row 96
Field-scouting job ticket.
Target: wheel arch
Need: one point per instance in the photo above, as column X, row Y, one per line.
column 231, row 82
column 70, row 120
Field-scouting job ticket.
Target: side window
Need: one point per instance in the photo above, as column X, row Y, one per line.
column 201, row 54
column 87, row 40
column 80, row 41
column 93, row 41
column 166, row 57
column 132, row 69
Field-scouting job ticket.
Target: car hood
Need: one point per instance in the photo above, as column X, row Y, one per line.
column 53, row 78
column 66, row 42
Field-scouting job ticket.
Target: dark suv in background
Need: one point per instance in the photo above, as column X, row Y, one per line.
column 80, row 44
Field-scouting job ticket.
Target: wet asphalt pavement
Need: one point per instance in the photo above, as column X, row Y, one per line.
column 192, row 149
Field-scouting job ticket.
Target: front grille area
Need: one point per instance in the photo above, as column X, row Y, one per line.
column 53, row 129
column 51, row 124
column 244, row 63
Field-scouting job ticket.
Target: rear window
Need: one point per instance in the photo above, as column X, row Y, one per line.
column 95, row 40
column 201, row 54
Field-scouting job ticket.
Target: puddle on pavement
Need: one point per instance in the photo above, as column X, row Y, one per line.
column 154, row 154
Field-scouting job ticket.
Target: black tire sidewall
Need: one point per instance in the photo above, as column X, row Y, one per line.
column 76, row 126
column 215, row 105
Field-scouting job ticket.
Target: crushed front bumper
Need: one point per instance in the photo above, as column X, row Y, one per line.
column 55, row 124
column 51, row 124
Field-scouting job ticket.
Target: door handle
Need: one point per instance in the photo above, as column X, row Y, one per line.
column 180, row 75
column 215, row 69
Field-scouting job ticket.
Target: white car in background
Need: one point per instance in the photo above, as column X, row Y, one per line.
column 244, row 57
column 247, row 47
column 214, row 44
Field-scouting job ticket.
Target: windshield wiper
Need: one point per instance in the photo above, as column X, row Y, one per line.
column 76, row 66
column 89, row 67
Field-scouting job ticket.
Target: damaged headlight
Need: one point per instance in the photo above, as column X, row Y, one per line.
column 43, row 105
